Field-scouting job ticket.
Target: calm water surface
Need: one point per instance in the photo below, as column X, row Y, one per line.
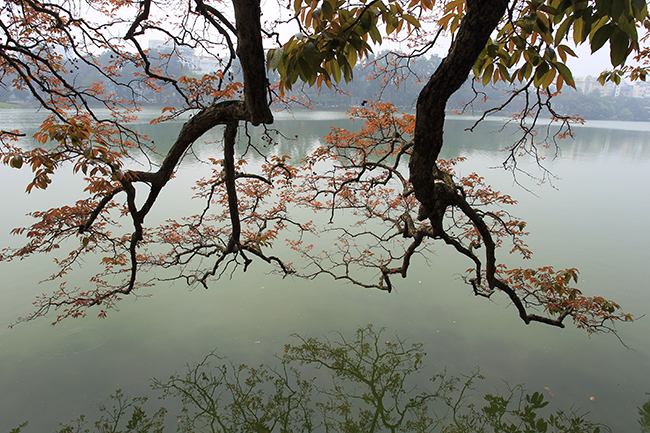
column 595, row 218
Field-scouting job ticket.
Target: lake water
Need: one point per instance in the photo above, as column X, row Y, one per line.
column 595, row 219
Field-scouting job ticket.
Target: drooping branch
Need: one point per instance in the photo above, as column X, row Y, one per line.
column 435, row 189
column 229, row 137
column 99, row 208
column 90, row 217
column 365, row 180
column 229, row 113
column 481, row 18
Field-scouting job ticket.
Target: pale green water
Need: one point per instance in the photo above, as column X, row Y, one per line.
column 597, row 221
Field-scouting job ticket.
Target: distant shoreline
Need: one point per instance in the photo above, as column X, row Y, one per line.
column 10, row 106
column 450, row 112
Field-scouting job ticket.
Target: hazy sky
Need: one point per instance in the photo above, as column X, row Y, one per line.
column 589, row 64
column 585, row 64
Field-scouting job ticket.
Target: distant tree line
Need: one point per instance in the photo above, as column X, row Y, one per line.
column 128, row 86
column 472, row 98
column 402, row 90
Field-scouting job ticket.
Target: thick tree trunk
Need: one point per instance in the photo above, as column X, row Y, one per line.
column 481, row 20
column 251, row 56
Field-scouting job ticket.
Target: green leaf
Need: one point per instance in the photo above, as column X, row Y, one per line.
column 487, row 74
column 617, row 10
column 629, row 28
column 16, row 161
column 304, row 69
column 312, row 79
column 564, row 50
column 565, row 72
column 273, row 57
column 506, row 29
column 375, row 35
column 327, row 11
column 578, row 31
column 563, row 29
column 525, row 71
column 549, row 53
column 351, row 56
column 543, row 31
column 540, row 74
column 601, row 36
column 336, row 70
column 604, row 6
column 309, row 54
column 366, row 21
column 346, row 68
column 478, row 65
column 534, row 57
column 345, row 17
column 492, row 50
column 520, row 42
column 356, row 42
column 549, row 9
column 619, row 44
column 414, row 21
column 504, row 73
column 389, row 27
column 505, row 58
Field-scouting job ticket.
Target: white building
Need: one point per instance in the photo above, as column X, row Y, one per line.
column 590, row 84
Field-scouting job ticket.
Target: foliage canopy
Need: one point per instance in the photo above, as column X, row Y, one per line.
column 388, row 173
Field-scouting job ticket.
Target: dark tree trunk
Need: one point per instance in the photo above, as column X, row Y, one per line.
column 481, row 20
column 251, row 56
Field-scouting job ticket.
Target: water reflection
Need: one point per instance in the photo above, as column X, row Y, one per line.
column 630, row 144
column 292, row 134
column 596, row 222
column 370, row 383
column 296, row 133
column 644, row 417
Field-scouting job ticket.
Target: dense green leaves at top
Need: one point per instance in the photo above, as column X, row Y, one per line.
column 534, row 46
column 340, row 35
column 531, row 46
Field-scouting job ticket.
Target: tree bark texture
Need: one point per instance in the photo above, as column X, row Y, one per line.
column 480, row 21
column 251, row 56
column 229, row 139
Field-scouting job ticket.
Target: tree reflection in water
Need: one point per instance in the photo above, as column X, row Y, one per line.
column 644, row 417
column 366, row 384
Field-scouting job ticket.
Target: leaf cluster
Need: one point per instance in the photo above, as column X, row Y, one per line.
column 530, row 45
column 337, row 35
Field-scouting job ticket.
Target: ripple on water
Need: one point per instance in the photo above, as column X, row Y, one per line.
column 76, row 341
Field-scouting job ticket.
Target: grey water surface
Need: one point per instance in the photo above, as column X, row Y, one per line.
column 594, row 217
